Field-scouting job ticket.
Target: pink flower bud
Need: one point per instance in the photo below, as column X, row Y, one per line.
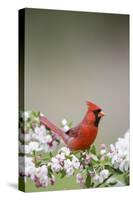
column 103, row 146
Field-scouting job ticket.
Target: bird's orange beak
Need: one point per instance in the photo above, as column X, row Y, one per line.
column 101, row 114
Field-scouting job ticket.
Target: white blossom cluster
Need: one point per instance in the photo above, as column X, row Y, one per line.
column 37, row 138
column 119, row 153
column 41, row 178
column 38, row 174
column 99, row 178
column 34, row 137
column 64, row 161
column 118, row 158
column 26, row 166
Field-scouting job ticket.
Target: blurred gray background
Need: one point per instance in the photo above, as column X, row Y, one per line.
column 71, row 57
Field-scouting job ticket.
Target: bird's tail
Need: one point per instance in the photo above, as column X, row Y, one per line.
column 54, row 128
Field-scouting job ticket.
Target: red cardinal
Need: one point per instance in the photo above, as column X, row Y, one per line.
column 83, row 135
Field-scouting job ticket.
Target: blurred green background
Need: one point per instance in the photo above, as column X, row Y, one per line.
column 71, row 57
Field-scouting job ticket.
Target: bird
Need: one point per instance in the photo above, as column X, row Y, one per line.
column 83, row 135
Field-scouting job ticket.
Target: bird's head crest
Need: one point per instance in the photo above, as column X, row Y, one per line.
column 92, row 106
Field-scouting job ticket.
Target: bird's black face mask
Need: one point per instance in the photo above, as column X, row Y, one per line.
column 96, row 112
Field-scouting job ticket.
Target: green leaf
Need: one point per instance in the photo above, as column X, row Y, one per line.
column 88, row 181
column 123, row 177
column 106, row 162
column 126, row 179
column 112, row 183
column 94, row 157
column 90, row 168
column 49, row 172
column 39, row 163
column 63, row 173
column 34, row 153
column 70, row 124
column 36, row 114
column 93, row 150
column 50, row 154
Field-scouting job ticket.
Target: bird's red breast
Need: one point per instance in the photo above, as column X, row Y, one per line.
column 85, row 138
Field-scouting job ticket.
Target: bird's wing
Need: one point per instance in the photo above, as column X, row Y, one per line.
column 74, row 132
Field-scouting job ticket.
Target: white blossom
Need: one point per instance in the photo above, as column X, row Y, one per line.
column 65, row 150
column 119, row 153
column 88, row 159
column 112, row 148
column 27, row 137
column 39, row 134
column 75, row 162
column 97, row 179
column 79, row 178
column 122, row 145
column 104, row 173
column 48, row 138
column 32, row 146
column 103, row 149
column 124, row 165
column 60, row 157
column 64, row 122
column 25, row 115
column 40, row 130
column 40, row 176
column 47, row 141
column 55, row 165
column 29, row 166
column 66, row 128
column 26, row 165
column 68, row 166
column 69, row 171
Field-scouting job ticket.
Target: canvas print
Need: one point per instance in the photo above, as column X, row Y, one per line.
column 73, row 100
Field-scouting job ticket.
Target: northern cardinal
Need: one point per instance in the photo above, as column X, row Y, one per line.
column 83, row 135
